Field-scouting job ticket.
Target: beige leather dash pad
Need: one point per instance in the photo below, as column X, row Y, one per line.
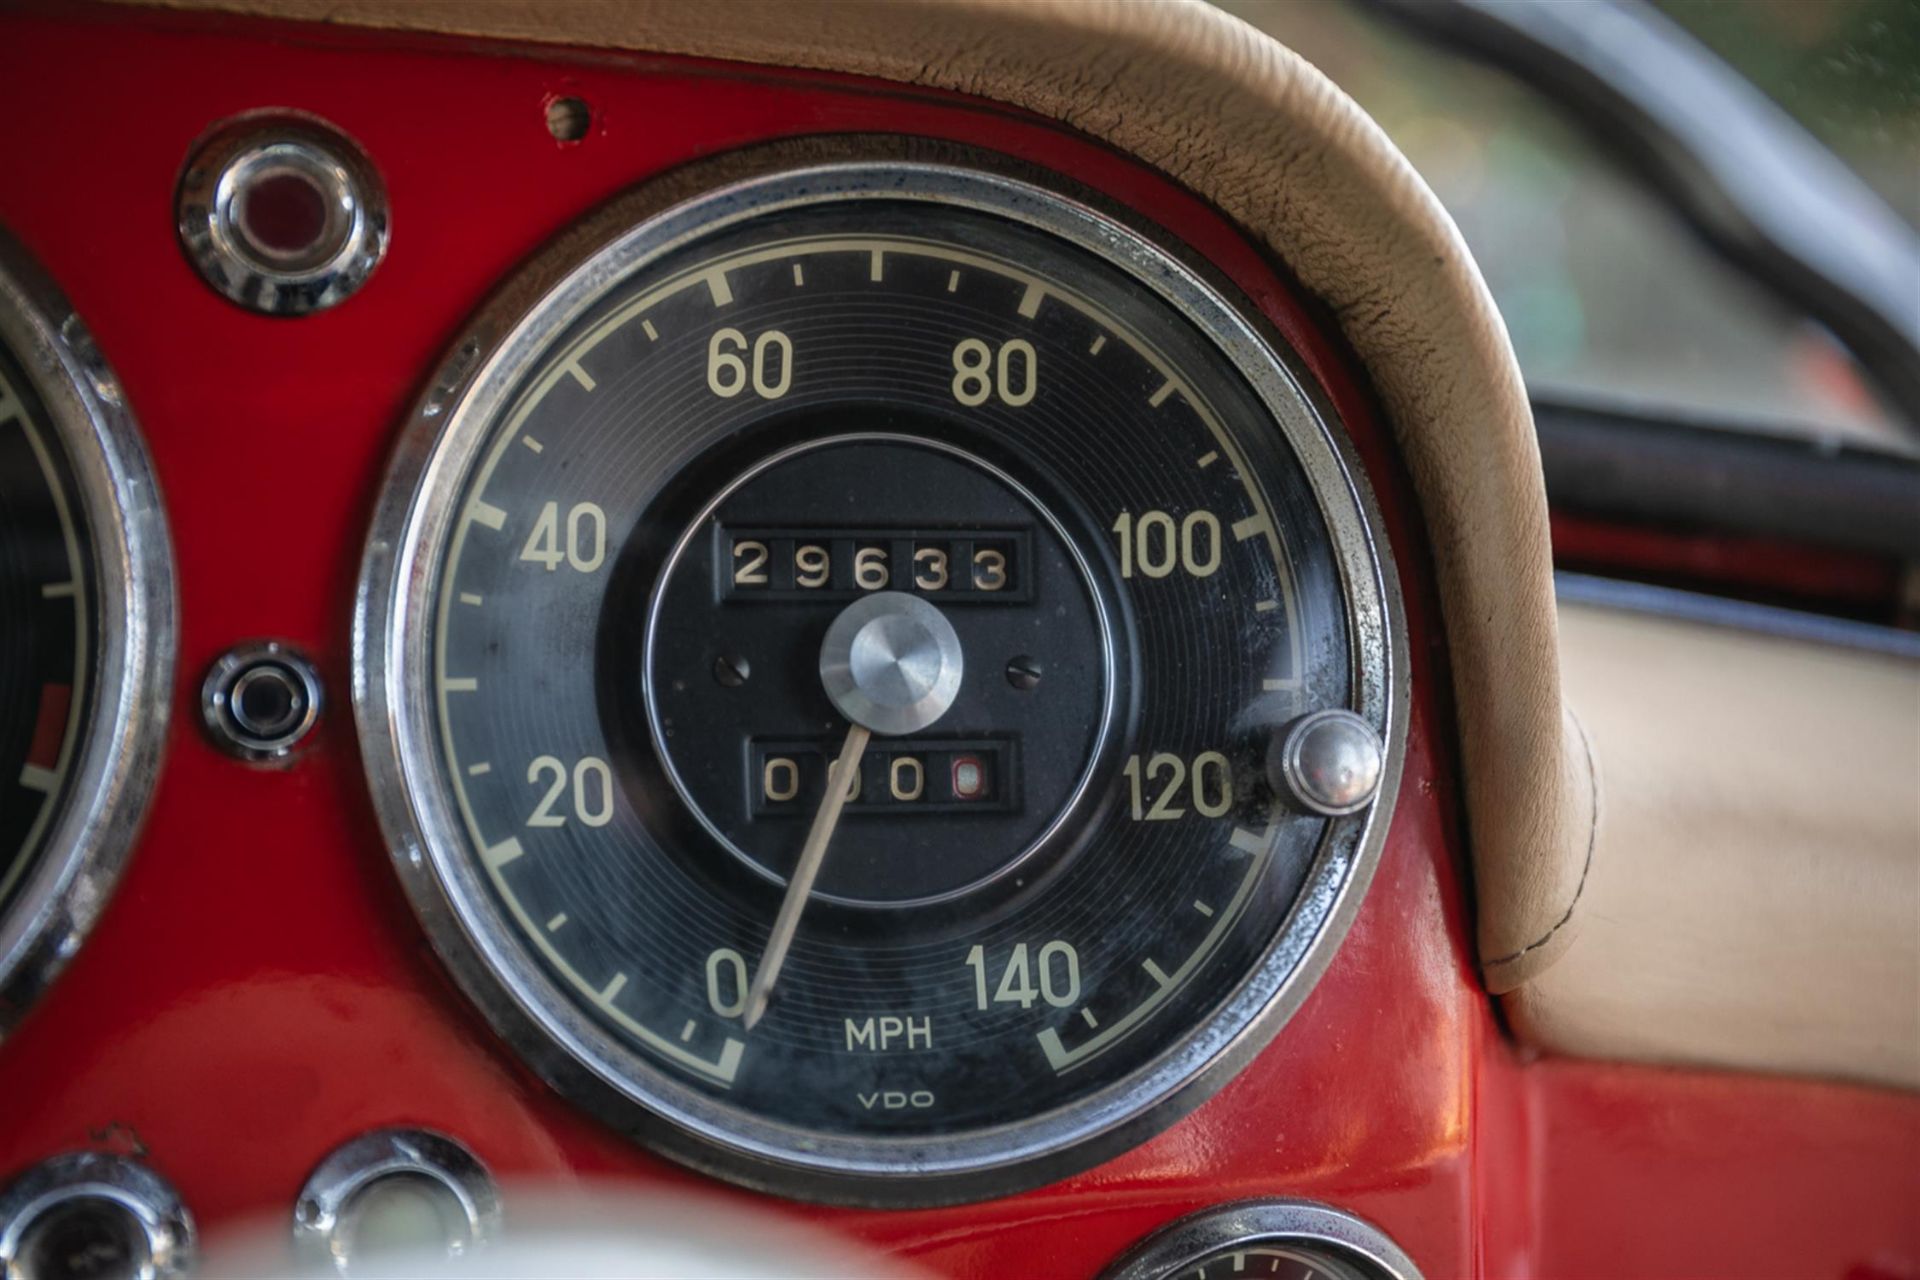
column 1754, row 898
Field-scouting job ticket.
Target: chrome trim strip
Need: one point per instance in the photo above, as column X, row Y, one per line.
column 1734, row 615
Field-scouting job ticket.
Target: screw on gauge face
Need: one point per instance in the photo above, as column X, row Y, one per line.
column 731, row 670
column 1023, row 672
column 1328, row 762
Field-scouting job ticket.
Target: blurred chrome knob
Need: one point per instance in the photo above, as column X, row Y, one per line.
column 394, row 1192
column 91, row 1216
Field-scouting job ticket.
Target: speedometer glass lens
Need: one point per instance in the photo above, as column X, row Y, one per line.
column 946, row 491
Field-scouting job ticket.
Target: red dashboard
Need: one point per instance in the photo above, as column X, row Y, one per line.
column 258, row 991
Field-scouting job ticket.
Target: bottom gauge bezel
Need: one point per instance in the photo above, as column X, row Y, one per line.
column 129, row 657
column 394, row 683
column 1181, row 1248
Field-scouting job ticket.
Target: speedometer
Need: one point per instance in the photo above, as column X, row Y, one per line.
column 877, row 673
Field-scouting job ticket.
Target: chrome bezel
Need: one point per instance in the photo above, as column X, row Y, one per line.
column 117, row 753
column 393, row 688
column 361, row 1162
column 1177, row 1249
column 222, row 683
column 212, row 191
column 142, row 1194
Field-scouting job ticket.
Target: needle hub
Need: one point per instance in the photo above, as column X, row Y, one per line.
column 891, row 662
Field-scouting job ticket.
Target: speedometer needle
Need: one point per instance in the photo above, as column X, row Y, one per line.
column 891, row 664
column 800, row 886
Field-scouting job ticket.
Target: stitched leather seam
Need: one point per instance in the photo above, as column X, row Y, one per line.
column 1593, row 834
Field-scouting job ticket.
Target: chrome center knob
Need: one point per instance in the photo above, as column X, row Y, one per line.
column 891, row 662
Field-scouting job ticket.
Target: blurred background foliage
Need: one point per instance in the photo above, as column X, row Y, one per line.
column 1606, row 293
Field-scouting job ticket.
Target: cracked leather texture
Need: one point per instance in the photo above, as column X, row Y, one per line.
column 1258, row 132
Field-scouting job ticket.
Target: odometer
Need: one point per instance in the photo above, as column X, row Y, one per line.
column 836, row 649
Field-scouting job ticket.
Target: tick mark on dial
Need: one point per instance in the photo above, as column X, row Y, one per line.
column 1247, row 841
column 1252, row 526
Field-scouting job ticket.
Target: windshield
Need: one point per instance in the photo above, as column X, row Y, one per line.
column 1607, row 294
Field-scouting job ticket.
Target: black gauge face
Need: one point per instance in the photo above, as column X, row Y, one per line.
column 939, row 480
column 44, row 632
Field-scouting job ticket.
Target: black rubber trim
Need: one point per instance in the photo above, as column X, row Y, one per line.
column 1689, row 474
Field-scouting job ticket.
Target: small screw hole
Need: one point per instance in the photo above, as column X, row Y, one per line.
column 568, row 119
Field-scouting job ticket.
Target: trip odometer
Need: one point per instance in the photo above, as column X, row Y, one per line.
column 877, row 675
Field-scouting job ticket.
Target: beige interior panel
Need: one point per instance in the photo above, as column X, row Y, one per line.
column 1754, row 898
column 1250, row 126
